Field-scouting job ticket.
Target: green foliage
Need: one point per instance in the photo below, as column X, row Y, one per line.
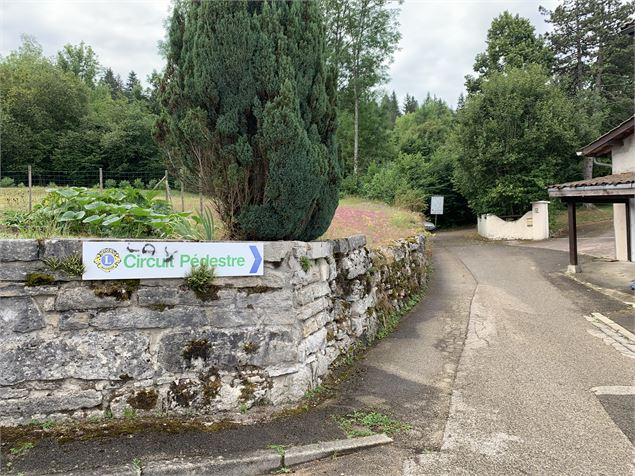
column 305, row 263
column 7, row 182
column 111, row 212
column 57, row 118
column 71, row 265
column 124, row 184
column 110, row 183
column 365, row 423
column 256, row 124
column 22, row 448
column 401, row 180
column 514, row 138
column 511, row 43
column 201, row 229
column 200, row 279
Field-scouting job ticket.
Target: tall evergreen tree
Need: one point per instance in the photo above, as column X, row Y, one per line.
column 113, row 82
column 249, row 109
column 410, row 104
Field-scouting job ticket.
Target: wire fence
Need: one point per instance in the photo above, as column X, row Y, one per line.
column 20, row 190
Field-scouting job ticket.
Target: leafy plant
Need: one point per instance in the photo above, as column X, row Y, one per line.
column 137, row 465
column 21, row 449
column 124, row 184
column 362, row 423
column 138, row 183
column 110, row 183
column 111, row 212
column 200, row 279
column 305, row 263
column 203, row 228
column 71, row 265
column 152, row 183
column 7, row 182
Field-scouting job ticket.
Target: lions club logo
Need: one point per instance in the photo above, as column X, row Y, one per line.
column 107, row 259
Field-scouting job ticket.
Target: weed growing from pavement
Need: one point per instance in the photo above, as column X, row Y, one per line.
column 281, row 450
column 129, row 412
column 243, row 408
column 137, row 466
column 362, row 423
column 21, row 449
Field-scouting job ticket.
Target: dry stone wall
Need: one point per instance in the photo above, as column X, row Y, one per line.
column 74, row 349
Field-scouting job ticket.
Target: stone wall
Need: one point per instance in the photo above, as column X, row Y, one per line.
column 79, row 349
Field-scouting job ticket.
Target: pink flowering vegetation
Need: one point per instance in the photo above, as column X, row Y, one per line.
column 381, row 223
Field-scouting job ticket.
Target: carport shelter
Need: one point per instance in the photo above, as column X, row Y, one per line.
column 616, row 189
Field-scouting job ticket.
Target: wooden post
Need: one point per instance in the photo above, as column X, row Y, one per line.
column 629, row 239
column 30, row 190
column 182, row 195
column 573, row 239
column 167, row 187
column 101, row 178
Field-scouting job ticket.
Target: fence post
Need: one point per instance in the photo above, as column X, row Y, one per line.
column 182, row 194
column 101, row 178
column 167, row 187
column 30, row 190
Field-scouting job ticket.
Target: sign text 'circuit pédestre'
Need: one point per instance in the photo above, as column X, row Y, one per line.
column 168, row 259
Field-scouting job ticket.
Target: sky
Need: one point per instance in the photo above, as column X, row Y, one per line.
column 439, row 38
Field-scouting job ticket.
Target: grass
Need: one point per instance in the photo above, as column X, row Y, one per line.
column 596, row 214
column 364, row 423
column 380, row 223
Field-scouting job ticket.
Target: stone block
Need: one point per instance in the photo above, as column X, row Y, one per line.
column 319, row 249
column 47, row 404
column 83, row 297
column 355, row 264
column 310, row 293
column 313, row 343
column 74, row 320
column 313, row 308
column 146, row 318
column 84, row 355
column 173, row 296
column 18, row 270
column 272, row 278
column 225, row 349
column 340, row 246
column 19, row 314
column 62, row 248
column 18, row 250
column 356, row 242
column 276, row 251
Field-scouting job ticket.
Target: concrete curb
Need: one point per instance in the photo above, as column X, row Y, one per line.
column 254, row 463
column 619, row 295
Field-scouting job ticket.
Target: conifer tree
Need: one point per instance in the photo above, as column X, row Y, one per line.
column 248, row 107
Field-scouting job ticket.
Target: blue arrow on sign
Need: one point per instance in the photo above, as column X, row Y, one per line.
column 257, row 259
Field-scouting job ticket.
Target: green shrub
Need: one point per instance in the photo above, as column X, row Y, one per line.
column 138, row 183
column 152, row 183
column 7, row 182
column 124, row 184
column 112, row 212
column 413, row 200
column 266, row 148
column 110, row 183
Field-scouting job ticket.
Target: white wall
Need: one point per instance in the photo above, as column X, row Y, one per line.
column 623, row 161
column 533, row 225
column 624, row 156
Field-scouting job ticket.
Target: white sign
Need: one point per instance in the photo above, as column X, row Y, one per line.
column 436, row 205
column 168, row 259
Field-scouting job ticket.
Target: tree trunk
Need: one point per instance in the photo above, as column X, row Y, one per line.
column 356, row 134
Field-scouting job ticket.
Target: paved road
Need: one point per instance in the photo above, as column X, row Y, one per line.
column 520, row 396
